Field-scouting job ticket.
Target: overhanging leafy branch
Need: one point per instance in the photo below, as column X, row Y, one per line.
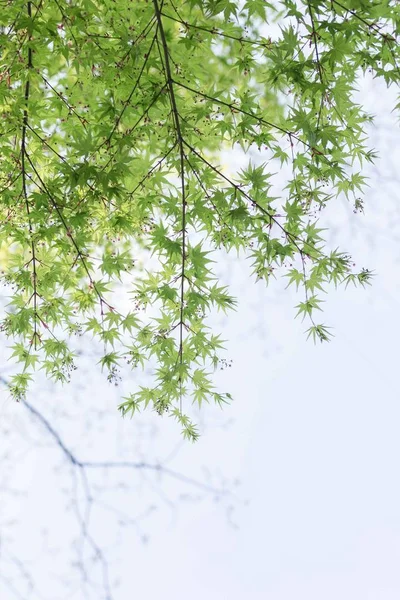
column 116, row 117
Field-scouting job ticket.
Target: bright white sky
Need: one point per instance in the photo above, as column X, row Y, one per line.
column 312, row 438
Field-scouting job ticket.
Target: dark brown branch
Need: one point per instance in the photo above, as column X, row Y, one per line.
column 69, row 234
column 24, row 156
column 207, row 195
column 295, row 239
column 371, row 26
column 215, row 31
column 176, row 119
column 234, row 107
column 139, row 120
column 71, row 109
column 153, row 168
column 314, row 36
column 127, row 101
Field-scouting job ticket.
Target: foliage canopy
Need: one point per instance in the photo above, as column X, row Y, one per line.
column 114, row 114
